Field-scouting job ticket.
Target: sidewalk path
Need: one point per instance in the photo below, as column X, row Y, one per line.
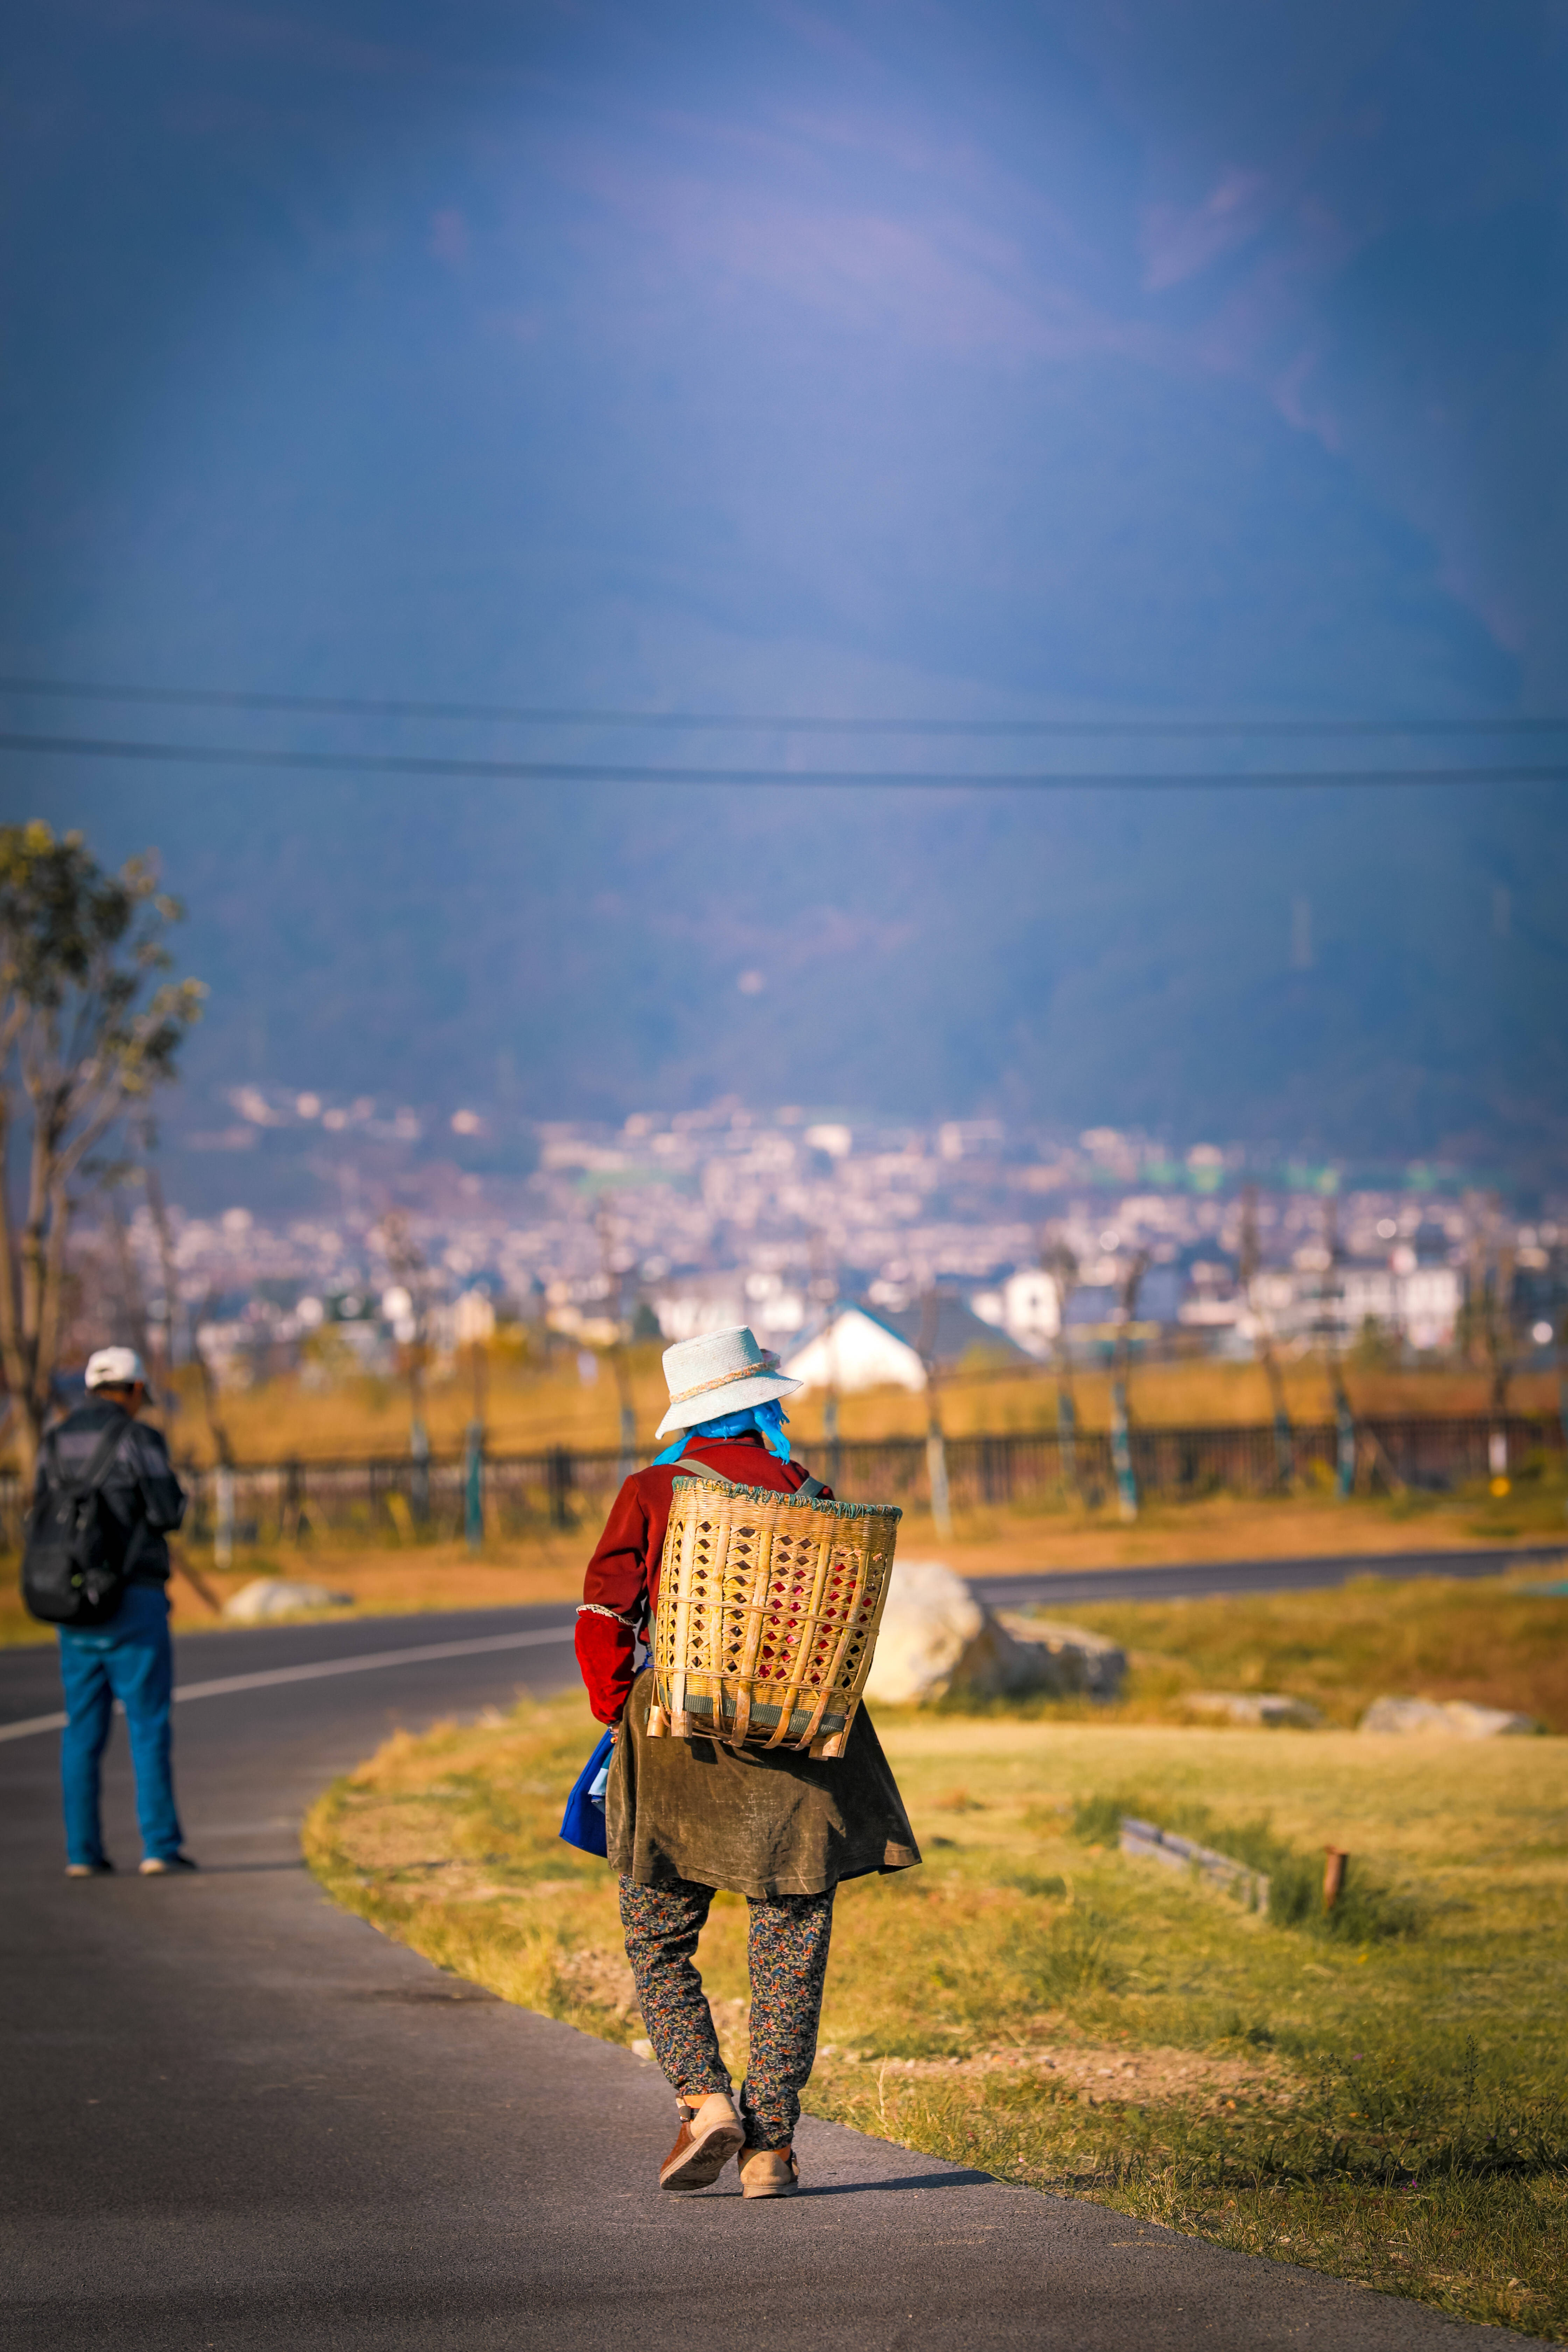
column 238, row 2120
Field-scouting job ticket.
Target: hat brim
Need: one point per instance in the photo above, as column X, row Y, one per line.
column 735, row 1396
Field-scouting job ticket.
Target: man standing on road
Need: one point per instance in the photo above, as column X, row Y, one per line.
column 129, row 1658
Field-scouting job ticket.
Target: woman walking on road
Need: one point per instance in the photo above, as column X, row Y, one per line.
column 687, row 1816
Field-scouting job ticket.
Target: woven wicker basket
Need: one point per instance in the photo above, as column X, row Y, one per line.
column 768, row 1611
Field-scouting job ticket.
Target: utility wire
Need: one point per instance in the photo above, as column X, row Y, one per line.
column 371, row 706
column 566, row 771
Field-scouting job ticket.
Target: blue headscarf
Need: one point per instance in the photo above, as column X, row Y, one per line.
column 768, row 1420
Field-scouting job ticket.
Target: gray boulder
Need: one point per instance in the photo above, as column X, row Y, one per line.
column 936, row 1639
column 1065, row 1658
column 266, row 1597
column 1451, row 1718
column 1266, row 1710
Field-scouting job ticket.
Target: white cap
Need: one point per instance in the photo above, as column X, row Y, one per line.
column 115, row 1368
column 720, row 1373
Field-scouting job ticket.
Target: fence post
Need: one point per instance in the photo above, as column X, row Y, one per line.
column 936, row 1469
column 1067, row 1437
column 222, row 1539
column 291, row 1519
column 1006, row 1466
column 1122, row 1452
column 1345, row 1446
column 474, row 1484
column 419, row 1473
column 560, row 1486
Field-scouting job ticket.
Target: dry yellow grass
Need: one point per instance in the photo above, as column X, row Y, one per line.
column 1067, row 2018
column 528, row 1406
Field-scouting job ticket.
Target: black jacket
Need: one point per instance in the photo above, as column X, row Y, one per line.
column 139, row 1485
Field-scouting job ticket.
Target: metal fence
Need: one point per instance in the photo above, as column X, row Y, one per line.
column 524, row 1493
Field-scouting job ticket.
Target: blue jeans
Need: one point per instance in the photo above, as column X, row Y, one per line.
column 130, row 1659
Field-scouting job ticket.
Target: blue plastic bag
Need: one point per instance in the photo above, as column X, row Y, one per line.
column 583, row 1822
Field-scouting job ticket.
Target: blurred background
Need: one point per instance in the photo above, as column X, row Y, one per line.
column 712, row 611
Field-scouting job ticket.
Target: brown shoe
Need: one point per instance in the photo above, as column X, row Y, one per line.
column 769, row 2172
column 710, row 2136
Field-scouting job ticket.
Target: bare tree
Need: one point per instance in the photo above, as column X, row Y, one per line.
column 1489, row 1313
column 168, row 1267
column 1251, row 1264
column 620, row 1363
column 1128, row 1287
column 87, row 1031
column 132, row 1301
column 405, row 1262
column 1331, row 1293
column 936, row 1442
column 823, row 1286
column 1058, row 1260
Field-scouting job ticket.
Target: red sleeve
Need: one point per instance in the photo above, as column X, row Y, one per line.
column 606, row 1660
column 617, row 1580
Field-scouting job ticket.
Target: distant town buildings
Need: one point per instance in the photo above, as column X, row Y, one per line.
column 854, row 1249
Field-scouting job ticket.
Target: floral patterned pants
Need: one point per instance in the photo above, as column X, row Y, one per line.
column 786, row 1950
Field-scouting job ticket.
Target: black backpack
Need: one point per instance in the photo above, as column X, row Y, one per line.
column 73, row 1569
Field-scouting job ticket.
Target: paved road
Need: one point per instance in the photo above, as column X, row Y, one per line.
column 238, row 2120
column 1195, row 1580
column 29, row 1687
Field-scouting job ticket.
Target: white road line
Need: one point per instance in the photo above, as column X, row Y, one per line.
column 31, row 1723
column 321, row 1668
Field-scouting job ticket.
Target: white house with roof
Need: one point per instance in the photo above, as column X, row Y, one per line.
column 1028, row 1306
column 854, row 1349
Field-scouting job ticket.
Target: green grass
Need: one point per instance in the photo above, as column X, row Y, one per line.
column 1367, row 1911
column 1388, row 2106
column 1437, row 1637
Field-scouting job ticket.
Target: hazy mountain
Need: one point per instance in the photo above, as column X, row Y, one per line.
column 1375, row 973
column 965, row 362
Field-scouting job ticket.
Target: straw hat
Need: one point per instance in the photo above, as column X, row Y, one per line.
column 723, row 1372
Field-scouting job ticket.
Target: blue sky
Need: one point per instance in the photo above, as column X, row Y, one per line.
column 930, row 361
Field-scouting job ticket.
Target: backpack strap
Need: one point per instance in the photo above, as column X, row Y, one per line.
column 808, row 1489
column 103, row 1455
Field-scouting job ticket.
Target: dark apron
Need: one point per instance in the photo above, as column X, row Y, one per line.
column 761, row 1821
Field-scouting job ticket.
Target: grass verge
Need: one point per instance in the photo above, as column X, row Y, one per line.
column 1389, row 2107
column 1435, row 1637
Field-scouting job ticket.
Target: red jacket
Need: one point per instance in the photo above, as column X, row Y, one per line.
column 623, row 1575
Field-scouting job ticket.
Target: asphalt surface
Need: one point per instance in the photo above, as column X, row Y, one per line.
column 1198, row 1580
column 235, row 2119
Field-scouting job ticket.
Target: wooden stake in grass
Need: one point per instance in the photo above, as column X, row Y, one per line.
column 1335, row 1863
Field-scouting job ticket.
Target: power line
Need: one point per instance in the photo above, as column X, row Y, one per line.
column 566, row 771
column 371, row 706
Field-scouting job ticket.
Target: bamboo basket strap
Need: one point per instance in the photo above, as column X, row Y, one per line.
column 808, row 1489
column 683, row 1613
